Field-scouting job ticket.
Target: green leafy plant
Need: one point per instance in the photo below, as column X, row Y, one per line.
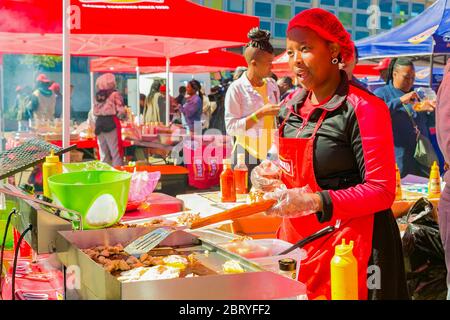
column 40, row 61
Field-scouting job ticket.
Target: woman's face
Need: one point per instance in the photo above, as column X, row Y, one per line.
column 310, row 57
column 263, row 64
column 189, row 90
column 403, row 77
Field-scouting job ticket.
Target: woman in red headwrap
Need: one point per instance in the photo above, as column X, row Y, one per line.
column 337, row 139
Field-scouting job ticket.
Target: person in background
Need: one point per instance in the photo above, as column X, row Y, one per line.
column 349, row 67
column 443, row 137
column 154, row 104
column 286, row 87
column 193, row 107
column 217, row 98
column 207, row 110
column 251, row 102
column 43, row 99
column 399, row 95
column 58, row 106
column 274, row 76
column 173, row 105
column 141, row 103
column 383, row 67
column 181, row 99
column 239, row 72
column 108, row 109
column 336, row 139
column 23, row 105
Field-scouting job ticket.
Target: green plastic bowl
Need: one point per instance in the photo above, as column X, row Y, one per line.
column 99, row 196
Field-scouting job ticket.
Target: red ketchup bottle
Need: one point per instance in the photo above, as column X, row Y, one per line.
column 227, row 185
column 241, row 175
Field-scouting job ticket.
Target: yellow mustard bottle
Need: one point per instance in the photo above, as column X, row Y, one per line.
column 398, row 184
column 434, row 185
column 51, row 166
column 344, row 273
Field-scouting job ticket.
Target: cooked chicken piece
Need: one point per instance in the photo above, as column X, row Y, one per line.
column 123, row 266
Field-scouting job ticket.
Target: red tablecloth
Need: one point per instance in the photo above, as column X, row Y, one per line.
column 40, row 278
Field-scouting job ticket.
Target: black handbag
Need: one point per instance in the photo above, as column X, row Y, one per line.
column 104, row 124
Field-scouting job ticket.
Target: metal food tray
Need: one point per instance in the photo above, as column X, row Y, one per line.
column 42, row 237
column 89, row 280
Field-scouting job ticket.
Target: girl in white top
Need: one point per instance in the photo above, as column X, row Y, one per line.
column 251, row 102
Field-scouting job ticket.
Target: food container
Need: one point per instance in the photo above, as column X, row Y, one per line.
column 99, row 196
column 265, row 252
column 97, row 283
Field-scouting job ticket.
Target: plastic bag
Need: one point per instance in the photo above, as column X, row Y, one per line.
column 142, row 184
column 424, row 254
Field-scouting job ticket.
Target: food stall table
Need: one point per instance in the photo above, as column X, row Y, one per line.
column 258, row 226
column 88, row 144
column 261, row 226
column 161, row 144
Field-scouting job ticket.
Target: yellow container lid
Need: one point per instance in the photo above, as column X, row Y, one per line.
column 343, row 248
column 52, row 158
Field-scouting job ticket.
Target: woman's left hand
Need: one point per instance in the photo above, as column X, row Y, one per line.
column 293, row 203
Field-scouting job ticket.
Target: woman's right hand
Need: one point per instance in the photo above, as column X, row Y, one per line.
column 266, row 177
column 268, row 110
column 410, row 97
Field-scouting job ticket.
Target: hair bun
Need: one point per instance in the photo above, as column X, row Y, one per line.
column 258, row 35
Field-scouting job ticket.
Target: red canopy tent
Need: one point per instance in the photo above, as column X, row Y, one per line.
column 198, row 62
column 144, row 28
column 281, row 68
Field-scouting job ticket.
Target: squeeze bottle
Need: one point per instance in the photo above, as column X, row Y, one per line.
column 398, row 184
column 344, row 273
column 434, row 186
column 51, row 166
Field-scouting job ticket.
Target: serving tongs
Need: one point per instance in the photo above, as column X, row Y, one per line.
column 59, row 209
column 312, row 237
column 234, row 213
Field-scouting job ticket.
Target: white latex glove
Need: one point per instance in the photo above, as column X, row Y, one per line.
column 293, row 203
column 266, row 176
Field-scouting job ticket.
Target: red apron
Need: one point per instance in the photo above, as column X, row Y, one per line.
column 296, row 161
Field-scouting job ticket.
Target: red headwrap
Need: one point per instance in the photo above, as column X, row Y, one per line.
column 327, row 26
